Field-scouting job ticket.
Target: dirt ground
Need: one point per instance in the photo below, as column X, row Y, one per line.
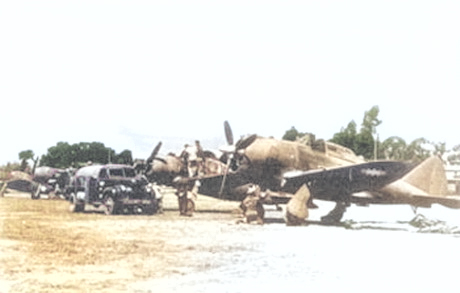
column 46, row 248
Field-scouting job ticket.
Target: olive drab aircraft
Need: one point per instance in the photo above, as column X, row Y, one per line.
column 296, row 173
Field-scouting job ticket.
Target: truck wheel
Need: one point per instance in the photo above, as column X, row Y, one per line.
column 76, row 206
column 151, row 208
column 110, row 206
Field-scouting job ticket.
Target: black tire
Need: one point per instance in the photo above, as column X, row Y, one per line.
column 150, row 209
column 76, row 206
column 111, row 207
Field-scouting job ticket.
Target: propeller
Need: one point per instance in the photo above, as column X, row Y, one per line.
column 228, row 133
column 245, row 142
column 233, row 149
column 152, row 157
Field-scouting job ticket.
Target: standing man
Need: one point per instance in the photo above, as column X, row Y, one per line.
column 200, row 158
column 186, row 195
column 190, row 157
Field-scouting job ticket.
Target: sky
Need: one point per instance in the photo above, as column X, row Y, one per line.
column 132, row 73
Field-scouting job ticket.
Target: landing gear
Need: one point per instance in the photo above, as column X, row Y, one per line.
column 336, row 214
column 35, row 193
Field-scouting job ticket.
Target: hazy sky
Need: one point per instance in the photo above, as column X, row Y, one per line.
column 129, row 73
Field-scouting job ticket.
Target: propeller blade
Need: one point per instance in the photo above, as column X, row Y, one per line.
column 154, row 153
column 245, row 142
column 222, row 186
column 228, row 133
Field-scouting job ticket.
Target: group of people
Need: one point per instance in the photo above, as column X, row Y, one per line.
column 187, row 190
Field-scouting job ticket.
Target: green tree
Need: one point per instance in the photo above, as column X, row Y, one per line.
column 291, row 134
column 369, row 126
column 347, row 136
column 363, row 143
column 439, row 148
column 125, row 157
column 59, row 156
column 416, row 150
column 393, row 148
column 25, row 156
column 370, row 120
column 454, row 155
column 64, row 155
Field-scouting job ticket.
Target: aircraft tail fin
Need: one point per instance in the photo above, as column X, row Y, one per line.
column 429, row 176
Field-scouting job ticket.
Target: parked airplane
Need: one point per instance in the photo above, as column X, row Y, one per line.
column 44, row 181
column 163, row 169
column 329, row 171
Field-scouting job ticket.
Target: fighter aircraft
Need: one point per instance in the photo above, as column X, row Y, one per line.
column 16, row 180
column 43, row 181
column 163, row 169
column 328, row 171
column 48, row 179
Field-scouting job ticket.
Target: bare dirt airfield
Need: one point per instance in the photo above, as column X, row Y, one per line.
column 45, row 248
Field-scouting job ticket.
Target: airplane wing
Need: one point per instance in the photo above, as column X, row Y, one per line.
column 211, row 185
column 330, row 184
column 339, row 183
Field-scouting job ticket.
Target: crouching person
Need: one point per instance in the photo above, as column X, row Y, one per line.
column 252, row 207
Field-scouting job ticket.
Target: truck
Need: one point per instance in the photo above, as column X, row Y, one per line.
column 115, row 187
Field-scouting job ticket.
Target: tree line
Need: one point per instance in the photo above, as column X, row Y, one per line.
column 64, row 155
column 365, row 142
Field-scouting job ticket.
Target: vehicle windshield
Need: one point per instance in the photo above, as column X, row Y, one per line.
column 130, row 172
column 122, row 172
column 116, row 172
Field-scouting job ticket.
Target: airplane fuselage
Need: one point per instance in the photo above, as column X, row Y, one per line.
column 290, row 155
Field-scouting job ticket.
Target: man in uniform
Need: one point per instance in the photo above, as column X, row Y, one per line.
column 252, row 207
column 190, row 158
column 201, row 160
column 186, row 195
